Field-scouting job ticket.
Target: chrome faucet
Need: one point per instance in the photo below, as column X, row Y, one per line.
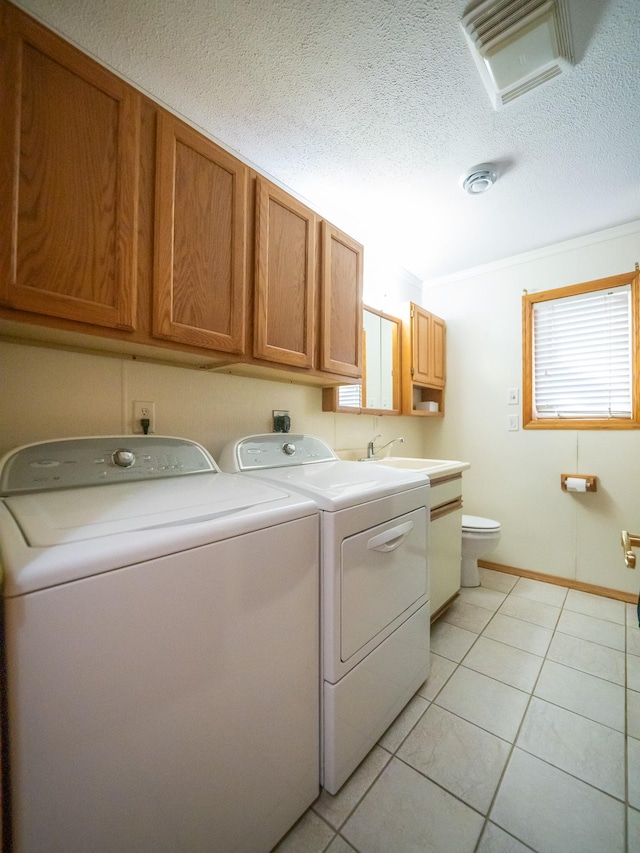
column 371, row 448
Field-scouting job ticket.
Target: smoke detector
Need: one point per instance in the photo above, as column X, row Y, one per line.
column 518, row 45
column 480, row 178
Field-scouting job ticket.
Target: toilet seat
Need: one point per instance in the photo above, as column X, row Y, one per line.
column 475, row 523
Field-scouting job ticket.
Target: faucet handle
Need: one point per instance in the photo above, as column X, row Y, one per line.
column 371, row 447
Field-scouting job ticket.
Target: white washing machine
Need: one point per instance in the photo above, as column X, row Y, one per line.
column 161, row 650
column 375, row 585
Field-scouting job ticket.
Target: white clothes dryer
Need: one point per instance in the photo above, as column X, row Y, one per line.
column 161, row 650
column 375, row 584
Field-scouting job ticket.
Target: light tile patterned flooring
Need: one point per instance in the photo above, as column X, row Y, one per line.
column 526, row 736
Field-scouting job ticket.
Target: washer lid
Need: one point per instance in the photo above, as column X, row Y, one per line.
column 307, row 465
column 340, row 484
column 53, row 538
column 476, row 522
column 73, row 515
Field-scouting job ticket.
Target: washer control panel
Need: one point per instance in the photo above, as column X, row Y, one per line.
column 275, row 450
column 75, row 462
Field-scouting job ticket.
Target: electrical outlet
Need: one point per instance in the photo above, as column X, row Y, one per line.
column 513, row 423
column 514, row 396
column 281, row 420
column 144, row 410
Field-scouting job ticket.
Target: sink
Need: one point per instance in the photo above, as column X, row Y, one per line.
column 431, row 467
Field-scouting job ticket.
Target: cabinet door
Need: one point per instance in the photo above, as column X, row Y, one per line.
column 69, row 138
column 423, row 362
column 445, row 552
column 341, row 298
column 285, row 277
column 438, row 361
column 422, row 345
column 200, row 240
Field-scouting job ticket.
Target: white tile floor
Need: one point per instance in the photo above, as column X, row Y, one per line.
column 526, row 736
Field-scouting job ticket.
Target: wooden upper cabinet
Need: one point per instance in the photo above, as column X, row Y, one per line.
column 200, row 240
column 421, row 345
column 125, row 229
column 438, row 364
column 427, row 348
column 423, row 362
column 341, row 301
column 285, row 278
column 69, row 142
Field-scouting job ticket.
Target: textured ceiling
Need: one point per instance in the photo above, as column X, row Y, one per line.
column 373, row 109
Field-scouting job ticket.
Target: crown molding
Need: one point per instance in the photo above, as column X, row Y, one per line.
column 536, row 254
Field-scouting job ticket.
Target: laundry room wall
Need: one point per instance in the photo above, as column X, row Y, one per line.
column 515, row 476
column 51, row 393
column 57, row 393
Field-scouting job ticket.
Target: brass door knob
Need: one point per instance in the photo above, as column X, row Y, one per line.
column 629, row 541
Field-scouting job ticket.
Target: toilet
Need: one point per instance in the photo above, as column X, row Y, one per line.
column 479, row 537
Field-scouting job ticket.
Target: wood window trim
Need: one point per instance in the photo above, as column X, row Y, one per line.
column 529, row 420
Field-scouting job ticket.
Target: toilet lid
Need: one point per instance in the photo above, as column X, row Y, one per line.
column 476, row 522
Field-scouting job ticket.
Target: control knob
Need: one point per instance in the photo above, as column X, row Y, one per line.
column 123, row 458
column 289, row 448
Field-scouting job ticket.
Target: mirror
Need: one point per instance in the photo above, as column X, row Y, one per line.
column 379, row 392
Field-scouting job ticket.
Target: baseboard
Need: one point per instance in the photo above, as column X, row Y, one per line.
column 604, row 591
column 444, row 607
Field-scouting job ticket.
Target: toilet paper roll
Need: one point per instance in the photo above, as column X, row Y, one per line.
column 576, row 484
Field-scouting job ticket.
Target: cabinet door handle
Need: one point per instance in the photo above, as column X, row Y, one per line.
column 390, row 539
column 446, row 508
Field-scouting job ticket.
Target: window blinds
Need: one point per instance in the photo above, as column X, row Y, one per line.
column 350, row 395
column 582, row 355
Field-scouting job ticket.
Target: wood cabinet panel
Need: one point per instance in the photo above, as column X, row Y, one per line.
column 200, row 240
column 423, row 361
column 445, row 550
column 422, row 346
column 341, row 298
column 438, row 362
column 70, row 142
column 285, row 282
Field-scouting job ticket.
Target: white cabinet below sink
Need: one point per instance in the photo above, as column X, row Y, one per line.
column 445, row 540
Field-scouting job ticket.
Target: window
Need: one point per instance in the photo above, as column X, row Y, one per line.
column 350, row 396
column 580, row 356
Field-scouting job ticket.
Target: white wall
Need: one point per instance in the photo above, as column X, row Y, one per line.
column 515, row 476
column 387, row 285
column 50, row 393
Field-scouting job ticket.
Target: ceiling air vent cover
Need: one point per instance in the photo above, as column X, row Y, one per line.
column 518, row 45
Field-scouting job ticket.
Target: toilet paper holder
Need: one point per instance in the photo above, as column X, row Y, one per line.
column 579, row 483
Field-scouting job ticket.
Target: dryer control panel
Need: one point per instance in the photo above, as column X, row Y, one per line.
column 275, row 450
column 76, row 462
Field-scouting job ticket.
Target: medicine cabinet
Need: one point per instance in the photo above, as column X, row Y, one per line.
column 379, row 392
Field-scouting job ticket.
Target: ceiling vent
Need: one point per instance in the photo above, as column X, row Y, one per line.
column 480, row 178
column 518, row 45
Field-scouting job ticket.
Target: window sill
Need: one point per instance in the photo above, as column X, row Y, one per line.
column 567, row 423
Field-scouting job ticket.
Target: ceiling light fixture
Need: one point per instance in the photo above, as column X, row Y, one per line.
column 479, row 178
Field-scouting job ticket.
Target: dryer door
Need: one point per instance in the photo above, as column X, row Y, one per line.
column 383, row 579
